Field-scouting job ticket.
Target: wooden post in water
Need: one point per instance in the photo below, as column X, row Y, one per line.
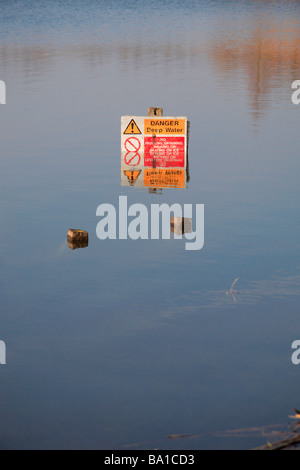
column 77, row 238
column 159, row 112
column 155, row 111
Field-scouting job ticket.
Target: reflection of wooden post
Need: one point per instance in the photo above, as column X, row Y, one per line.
column 155, row 190
column 155, row 111
column 187, row 151
column 181, row 225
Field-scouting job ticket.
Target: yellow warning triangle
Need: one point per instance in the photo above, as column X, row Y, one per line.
column 132, row 128
column 132, row 176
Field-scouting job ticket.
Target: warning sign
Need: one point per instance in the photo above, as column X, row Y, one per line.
column 132, row 144
column 155, row 142
column 132, row 128
column 164, row 152
column 165, row 126
column 132, row 176
column 132, row 156
column 161, row 178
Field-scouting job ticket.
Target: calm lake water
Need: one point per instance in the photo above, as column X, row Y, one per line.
column 124, row 343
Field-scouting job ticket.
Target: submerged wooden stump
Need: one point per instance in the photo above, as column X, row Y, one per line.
column 77, row 238
column 181, row 225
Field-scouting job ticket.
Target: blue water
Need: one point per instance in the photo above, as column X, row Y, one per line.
column 123, row 343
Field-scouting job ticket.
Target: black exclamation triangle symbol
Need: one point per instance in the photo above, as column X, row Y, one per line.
column 132, row 128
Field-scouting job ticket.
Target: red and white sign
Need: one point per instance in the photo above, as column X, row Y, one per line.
column 164, row 152
column 132, row 156
column 154, row 142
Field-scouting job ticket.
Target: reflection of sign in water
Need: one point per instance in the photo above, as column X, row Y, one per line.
column 132, row 158
column 164, row 178
column 162, row 141
column 132, row 176
column 153, row 178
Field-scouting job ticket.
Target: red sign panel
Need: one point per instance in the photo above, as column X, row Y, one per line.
column 164, row 152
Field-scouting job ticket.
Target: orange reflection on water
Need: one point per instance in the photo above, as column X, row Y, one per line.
column 268, row 58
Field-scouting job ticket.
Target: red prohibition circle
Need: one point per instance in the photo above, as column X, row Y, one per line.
column 132, row 158
column 132, row 144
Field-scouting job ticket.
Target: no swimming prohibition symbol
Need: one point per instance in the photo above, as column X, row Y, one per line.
column 132, row 144
column 132, row 157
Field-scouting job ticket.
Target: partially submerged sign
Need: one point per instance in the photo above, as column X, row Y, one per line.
column 164, row 178
column 154, row 142
column 158, row 178
column 131, row 177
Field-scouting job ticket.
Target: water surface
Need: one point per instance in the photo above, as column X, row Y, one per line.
column 123, row 343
